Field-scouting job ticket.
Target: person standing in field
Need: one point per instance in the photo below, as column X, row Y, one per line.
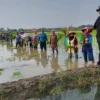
column 11, row 36
column 30, row 41
column 86, row 42
column 71, row 44
column 35, row 39
column 43, row 41
column 18, row 40
column 97, row 27
column 7, row 36
column 53, row 42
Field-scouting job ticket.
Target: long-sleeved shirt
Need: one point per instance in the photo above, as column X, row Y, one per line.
column 97, row 26
column 18, row 38
column 87, row 47
column 42, row 37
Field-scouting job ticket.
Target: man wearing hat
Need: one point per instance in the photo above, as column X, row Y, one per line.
column 71, row 44
column 97, row 27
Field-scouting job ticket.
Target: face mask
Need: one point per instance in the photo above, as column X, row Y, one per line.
column 71, row 37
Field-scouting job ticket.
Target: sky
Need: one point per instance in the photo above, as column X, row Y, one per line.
column 47, row 13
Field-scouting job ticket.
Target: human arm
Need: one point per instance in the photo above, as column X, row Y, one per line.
column 89, row 40
column 82, row 40
column 46, row 38
column 95, row 24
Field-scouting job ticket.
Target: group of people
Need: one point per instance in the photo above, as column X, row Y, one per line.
column 8, row 36
column 71, row 42
column 34, row 40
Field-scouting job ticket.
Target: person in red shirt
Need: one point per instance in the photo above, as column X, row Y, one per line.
column 53, row 42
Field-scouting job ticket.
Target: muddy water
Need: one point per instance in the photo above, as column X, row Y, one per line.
column 89, row 93
column 25, row 62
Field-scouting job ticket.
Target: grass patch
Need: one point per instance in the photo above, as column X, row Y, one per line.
column 63, row 81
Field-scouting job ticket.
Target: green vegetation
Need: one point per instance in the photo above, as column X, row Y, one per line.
column 57, row 90
column 42, row 85
column 1, row 69
column 34, row 54
column 78, row 79
column 17, row 74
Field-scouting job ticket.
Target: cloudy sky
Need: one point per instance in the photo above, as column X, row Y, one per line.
column 47, row 13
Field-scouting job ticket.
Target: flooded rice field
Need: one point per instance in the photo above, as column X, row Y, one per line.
column 24, row 62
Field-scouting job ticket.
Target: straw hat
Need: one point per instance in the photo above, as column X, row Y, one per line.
column 86, row 28
column 71, row 33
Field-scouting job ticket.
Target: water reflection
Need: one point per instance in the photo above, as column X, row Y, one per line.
column 97, row 96
column 71, row 63
column 37, row 57
column 88, row 93
column 34, row 62
column 54, row 64
column 18, row 53
column 44, row 58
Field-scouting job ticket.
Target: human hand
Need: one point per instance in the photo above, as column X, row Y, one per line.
column 81, row 42
column 75, row 46
column 47, row 42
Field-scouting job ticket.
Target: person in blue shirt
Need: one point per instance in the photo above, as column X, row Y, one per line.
column 43, row 39
column 18, row 39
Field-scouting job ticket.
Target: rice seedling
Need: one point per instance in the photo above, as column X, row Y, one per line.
column 1, row 69
column 17, row 74
column 60, row 36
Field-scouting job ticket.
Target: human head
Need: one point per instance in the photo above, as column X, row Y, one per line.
column 71, row 34
column 17, row 33
column 98, row 10
column 86, row 30
column 53, row 32
column 42, row 31
column 35, row 32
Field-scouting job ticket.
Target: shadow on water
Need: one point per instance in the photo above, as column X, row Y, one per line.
column 86, row 93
